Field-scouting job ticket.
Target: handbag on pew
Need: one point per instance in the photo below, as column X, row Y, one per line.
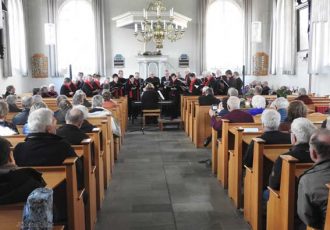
column 17, row 184
column 38, row 210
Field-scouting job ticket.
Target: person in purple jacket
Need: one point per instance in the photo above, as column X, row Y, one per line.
column 235, row 115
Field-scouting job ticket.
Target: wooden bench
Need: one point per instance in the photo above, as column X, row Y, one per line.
column 11, row 215
column 235, row 163
column 254, row 180
column 222, row 154
column 85, row 150
column 281, row 204
column 97, row 140
column 202, row 127
column 150, row 113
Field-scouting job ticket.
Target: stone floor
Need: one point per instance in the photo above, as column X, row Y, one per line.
column 158, row 184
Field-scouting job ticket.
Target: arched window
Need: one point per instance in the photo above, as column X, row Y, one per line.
column 225, row 35
column 76, row 37
column 17, row 45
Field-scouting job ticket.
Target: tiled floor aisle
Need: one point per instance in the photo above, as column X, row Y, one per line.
column 158, row 184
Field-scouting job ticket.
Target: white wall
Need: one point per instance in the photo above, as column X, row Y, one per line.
column 123, row 41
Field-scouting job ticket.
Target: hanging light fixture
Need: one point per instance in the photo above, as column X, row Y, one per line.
column 158, row 25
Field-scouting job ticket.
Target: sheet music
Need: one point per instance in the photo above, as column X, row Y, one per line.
column 251, row 130
column 161, row 95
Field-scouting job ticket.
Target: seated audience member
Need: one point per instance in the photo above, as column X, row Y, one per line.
column 149, row 97
column 21, row 118
column 34, row 107
column 51, row 91
column 265, row 88
column 296, row 109
column 97, row 107
column 11, row 101
column 79, row 98
column 301, row 131
column 60, row 98
column 235, row 115
column 232, row 92
column 208, row 97
column 258, row 89
column 312, row 192
column 42, row 147
column 63, row 107
column 108, row 102
column 270, row 120
column 16, row 184
column 258, row 104
column 10, row 90
column 71, row 131
column 44, row 92
column 304, row 97
column 281, row 105
column 223, row 108
column 36, row 91
column 7, row 128
column 66, row 88
column 326, row 123
column 86, row 126
column 37, row 98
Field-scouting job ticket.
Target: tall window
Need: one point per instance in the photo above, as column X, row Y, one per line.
column 76, row 37
column 17, row 46
column 225, row 35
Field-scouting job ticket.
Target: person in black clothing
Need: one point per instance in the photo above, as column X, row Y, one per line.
column 166, row 81
column 175, row 95
column 195, row 85
column 301, row 131
column 88, row 87
column 71, row 130
column 11, row 101
column 3, row 113
column 96, row 82
column 116, row 88
column 86, row 127
column 133, row 94
column 265, row 88
column 149, row 98
column 271, row 120
column 209, row 80
column 153, row 80
column 79, row 80
column 10, row 90
column 208, row 97
column 122, row 80
column 239, row 83
column 66, row 88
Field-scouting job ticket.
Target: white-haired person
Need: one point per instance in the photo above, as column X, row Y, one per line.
column 51, row 91
column 258, row 105
column 86, row 126
column 281, row 104
column 63, row 107
column 312, row 193
column 79, row 98
column 6, row 128
column 34, row 107
column 301, row 131
column 258, row 89
column 232, row 92
column 304, row 97
column 97, row 107
column 235, row 115
column 22, row 117
column 270, row 120
column 37, row 98
column 11, row 101
column 208, row 97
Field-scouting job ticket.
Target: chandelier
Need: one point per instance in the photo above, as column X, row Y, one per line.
column 158, row 25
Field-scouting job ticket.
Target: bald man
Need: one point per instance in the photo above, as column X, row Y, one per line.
column 312, row 192
column 71, row 131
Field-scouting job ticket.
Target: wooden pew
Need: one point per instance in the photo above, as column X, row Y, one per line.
column 11, row 215
column 235, row 164
column 107, row 147
column 202, row 124
column 192, row 120
column 89, row 180
column 281, row 204
column 10, row 116
column 253, row 181
column 226, row 143
column 97, row 140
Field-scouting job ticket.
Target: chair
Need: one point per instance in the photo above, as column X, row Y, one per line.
column 149, row 113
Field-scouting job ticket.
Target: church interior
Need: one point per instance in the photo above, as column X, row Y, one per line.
column 165, row 114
